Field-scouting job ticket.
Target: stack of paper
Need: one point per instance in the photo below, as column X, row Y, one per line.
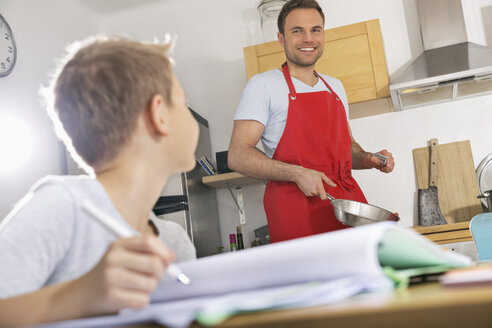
column 309, row 271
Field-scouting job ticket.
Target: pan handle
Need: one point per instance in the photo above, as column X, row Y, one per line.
column 330, row 197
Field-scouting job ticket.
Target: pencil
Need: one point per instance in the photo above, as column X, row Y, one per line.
column 123, row 231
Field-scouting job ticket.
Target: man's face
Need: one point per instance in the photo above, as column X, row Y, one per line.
column 303, row 38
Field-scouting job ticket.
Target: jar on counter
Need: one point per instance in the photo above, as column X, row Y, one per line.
column 269, row 11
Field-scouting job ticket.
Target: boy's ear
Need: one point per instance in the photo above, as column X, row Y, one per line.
column 159, row 115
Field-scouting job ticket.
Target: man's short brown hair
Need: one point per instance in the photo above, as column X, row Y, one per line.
column 297, row 4
column 99, row 93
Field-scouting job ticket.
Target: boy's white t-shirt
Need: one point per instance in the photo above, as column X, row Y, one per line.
column 50, row 239
column 266, row 99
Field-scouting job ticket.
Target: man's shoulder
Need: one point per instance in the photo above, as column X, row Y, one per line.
column 268, row 77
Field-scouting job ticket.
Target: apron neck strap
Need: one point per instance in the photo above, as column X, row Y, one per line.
column 288, row 79
column 292, row 90
column 328, row 86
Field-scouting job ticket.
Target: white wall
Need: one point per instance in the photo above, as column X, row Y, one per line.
column 478, row 20
column 41, row 30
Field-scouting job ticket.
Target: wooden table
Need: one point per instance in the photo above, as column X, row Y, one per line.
column 423, row 305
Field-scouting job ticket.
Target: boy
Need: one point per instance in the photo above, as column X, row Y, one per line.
column 120, row 110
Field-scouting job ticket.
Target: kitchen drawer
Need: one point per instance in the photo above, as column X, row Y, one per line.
column 447, row 233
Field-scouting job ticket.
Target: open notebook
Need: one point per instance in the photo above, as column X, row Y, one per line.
column 308, row 271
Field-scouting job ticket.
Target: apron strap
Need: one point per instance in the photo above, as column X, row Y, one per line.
column 292, row 90
column 331, row 90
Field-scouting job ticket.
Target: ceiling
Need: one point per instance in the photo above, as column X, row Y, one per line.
column 108, row 6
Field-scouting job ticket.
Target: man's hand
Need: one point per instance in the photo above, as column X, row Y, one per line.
column 310, row 182
column 126, row 275
column 378, row 163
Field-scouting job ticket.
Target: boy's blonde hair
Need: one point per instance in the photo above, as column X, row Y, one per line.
column 100, row 91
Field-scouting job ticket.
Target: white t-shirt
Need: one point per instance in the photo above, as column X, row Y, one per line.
column 266, row 100
column 49, row 239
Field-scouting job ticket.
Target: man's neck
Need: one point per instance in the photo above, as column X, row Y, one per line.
column 303, row 73
column 133, row 189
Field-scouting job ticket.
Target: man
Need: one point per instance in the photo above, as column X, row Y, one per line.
column 301, row 118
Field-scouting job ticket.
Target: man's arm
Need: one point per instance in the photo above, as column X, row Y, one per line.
column 366, row 160
column 244, row 158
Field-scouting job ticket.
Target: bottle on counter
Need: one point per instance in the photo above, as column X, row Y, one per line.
column 232, row 240
column 239, row 235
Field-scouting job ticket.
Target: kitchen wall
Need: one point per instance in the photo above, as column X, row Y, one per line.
column 209, row 63
column 41, row 31
column 403, row 131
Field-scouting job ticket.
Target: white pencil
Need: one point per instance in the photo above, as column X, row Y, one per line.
column 123, row 231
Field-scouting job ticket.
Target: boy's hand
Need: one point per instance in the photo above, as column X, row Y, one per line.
column 126, row 275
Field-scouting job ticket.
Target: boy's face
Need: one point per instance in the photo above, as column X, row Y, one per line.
column 183, row 128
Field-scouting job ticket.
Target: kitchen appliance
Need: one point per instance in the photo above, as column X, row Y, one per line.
column 487, row 197
column 484, row 176
column 353, row 213
column 450, row 67
column 221, row 159
column 188, row 202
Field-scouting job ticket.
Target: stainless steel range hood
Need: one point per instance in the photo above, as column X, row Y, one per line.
column 450, row 67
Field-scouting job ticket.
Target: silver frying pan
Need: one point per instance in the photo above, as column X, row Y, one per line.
column 354, row 213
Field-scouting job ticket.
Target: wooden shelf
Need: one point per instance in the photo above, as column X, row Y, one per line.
column 234, row 178
column 447, row 233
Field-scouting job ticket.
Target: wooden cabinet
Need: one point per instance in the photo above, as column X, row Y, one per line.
column 353, row 54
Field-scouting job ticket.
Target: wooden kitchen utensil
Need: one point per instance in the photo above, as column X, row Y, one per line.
column 428, row 201
column 457, row 180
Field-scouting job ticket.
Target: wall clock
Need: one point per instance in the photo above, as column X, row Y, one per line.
column 8, row 51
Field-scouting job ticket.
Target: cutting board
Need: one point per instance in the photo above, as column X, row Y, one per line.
column 457, row 181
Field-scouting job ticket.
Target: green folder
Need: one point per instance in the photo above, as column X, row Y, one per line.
column 402, row 258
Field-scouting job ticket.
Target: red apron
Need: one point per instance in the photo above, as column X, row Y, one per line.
column 316, row 136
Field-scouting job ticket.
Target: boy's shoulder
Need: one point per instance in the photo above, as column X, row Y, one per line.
column 49, row 195
column 175, row 237
column 62, row 181
column 66, row 186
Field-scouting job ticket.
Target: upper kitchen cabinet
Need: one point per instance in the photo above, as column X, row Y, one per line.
column 353, row 54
